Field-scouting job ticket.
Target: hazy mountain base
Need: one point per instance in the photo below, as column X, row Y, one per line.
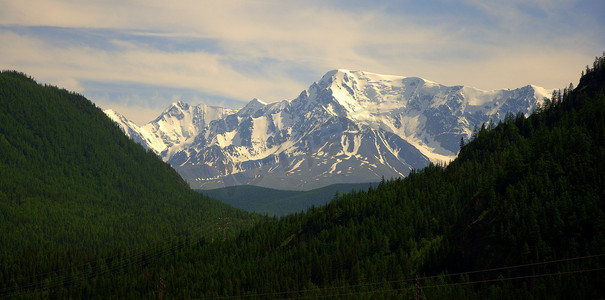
column 274, row 202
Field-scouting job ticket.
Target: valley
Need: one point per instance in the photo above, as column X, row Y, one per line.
column 88, row 213
column 272, row 202
column 382, row 149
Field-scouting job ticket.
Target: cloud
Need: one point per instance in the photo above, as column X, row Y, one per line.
column 236, row 50
column 131, row 62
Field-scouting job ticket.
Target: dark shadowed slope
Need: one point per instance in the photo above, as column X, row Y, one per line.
column 72, row 184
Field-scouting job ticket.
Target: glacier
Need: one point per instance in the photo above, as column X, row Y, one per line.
column 347, row 127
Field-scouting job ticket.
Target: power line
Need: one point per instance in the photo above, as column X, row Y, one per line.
column 162, row 248
column 415, row 279
column 519, row 266
column 453, row 284
column 518, row 277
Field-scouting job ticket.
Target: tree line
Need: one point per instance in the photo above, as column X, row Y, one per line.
column 519, row 214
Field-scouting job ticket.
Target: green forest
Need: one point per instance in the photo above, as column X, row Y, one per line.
column 74, row 188
column 518, row 215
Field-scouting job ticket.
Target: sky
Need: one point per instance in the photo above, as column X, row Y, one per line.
column 139, row 56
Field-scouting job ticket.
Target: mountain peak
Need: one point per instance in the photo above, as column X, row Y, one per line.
column 116, row 116
column 180, row 104
column 383, row 124
column 176, row 108
column 253, row 106
column 349, row 76
column 337, row 75
column 110, row 111
column 257, row 101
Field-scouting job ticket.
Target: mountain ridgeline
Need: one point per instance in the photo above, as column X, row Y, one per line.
column 518, row 215
column 274, row 202
column 348, row 127
column 73, row 187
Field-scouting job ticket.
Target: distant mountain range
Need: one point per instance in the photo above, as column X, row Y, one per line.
column 348, row 127
column 274, row 202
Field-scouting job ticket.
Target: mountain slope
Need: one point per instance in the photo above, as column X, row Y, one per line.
column 72, row 185
column 178, row 125
column 518, row 215
column 61, row 152
column 350, row 126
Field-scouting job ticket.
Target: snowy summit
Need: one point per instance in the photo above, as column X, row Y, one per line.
column 348, row 127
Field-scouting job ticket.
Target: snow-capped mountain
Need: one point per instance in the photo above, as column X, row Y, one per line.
column 348, row 127
column 175, row 128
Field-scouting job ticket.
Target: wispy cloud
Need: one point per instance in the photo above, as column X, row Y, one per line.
column 230, row 51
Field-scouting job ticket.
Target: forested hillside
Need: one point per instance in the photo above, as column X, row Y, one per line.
column 74, row 188
column 518, row 215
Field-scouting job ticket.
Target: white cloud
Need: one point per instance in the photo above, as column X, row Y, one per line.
column 193, row 70
column 260, row 46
